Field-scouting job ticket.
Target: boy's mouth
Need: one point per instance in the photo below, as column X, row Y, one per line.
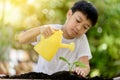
column 74, row 32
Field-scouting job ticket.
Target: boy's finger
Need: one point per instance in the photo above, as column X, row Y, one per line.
column 53, row 29
column 50, row 31
column 82, row 73
column 56, row 29
column 79, row 72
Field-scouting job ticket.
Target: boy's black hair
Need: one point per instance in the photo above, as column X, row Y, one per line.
column 86, row 8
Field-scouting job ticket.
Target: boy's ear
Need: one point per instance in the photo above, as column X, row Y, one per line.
column 69, row 14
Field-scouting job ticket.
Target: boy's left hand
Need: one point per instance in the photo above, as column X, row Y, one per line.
column 81, row 71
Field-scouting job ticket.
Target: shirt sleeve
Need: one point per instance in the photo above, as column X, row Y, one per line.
column 84, row 49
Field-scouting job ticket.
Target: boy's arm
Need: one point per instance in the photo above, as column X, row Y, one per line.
column 30, row 35
column 83, row 71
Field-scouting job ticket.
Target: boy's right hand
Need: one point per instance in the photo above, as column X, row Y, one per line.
column 47, row 30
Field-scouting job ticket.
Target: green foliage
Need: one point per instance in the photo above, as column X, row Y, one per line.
column 76, row 64
column 104, row 39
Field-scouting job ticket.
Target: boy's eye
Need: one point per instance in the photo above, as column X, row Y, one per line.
column 85, row 27
column 78, row 20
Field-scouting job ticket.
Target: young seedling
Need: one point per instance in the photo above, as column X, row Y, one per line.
column 76, row 63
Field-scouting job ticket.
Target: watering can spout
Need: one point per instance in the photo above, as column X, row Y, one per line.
column 70, row 46
column 48, row 47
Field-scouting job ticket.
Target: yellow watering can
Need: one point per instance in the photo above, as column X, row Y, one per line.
column 48, row 47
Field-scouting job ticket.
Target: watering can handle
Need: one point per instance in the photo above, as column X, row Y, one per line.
column 42, row 37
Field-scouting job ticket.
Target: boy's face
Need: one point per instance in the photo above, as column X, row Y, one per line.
column 76, row 24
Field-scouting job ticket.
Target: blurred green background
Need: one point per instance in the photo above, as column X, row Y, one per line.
column 19, row 15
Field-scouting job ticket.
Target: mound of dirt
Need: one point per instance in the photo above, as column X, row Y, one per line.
column 61, row 75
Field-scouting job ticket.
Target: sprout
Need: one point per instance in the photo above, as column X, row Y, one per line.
column 76, row 63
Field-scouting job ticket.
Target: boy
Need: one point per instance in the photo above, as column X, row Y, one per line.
column 79, row 19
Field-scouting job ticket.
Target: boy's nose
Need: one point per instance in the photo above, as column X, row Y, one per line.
column 78, row 28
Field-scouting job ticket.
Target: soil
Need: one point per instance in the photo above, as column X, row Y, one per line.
column 62, row 75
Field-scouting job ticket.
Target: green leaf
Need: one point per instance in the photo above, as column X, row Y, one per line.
column 80, row 64
column 62, row 58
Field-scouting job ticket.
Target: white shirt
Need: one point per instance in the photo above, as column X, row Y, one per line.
column 55, row 65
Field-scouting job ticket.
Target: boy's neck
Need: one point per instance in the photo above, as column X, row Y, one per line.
column 64, row 33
